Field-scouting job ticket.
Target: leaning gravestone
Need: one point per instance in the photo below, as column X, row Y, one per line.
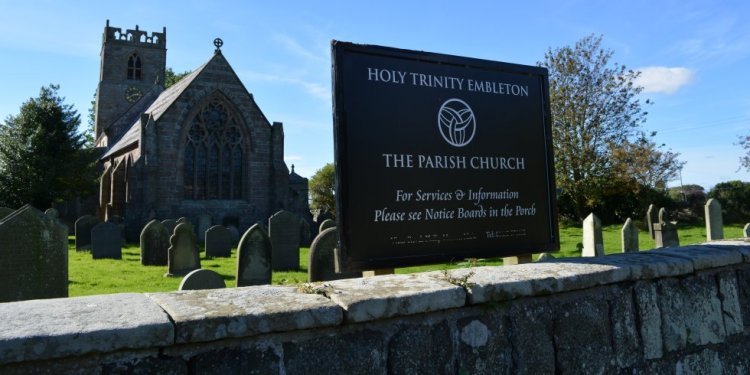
column 202, row 279
column 154, row 244
column 665, row 231
column 106, row 241
column 651, row 219
column 169, row 224
column 83, row 227
column 629, row 236
column 33, row 256
column 327, row 223
column 714, row 221
column 204, row 223
column 5, row 211
column 183, row 251
column 254, row 258
column 218, row 242
column 283, row 230
column 322, row 263
column 593, row 244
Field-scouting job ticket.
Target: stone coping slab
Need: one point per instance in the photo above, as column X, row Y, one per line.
column 642, row 265
column 386, row 296
column 742, row 245
column 208, row 315
column 62, row 327
column 502, row 283
column 704, row 256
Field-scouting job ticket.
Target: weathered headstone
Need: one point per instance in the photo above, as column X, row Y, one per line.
column 254, row 258
column 5, row 211
column 304, row 233
column 183, row 251
column 321, row 265
column 53, row 213
column 593, row 244
column 182, row 219
column 544, row 257
column 106, row 241
column 204, row 223
column 746, row 230
column 327, row 223
column 665, row 231
column 33, row 256
column 170, row 224
column 651, row 219
column 202, row 279
column 234, row 234
column 218, row 242
column 154, row 244
column 714, row 220
column 629, row 236
column 283, row 230
column 83, row 227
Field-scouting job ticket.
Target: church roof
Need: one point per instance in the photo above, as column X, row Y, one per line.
column 156, row 110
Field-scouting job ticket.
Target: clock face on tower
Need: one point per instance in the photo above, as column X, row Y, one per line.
column 132, row 94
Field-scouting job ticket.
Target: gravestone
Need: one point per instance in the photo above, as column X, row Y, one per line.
column 234, row 234
column 33, row 256
column 304, row 233
column 53, row 213
column 593, row 245
column 283, row 230
column 169, row 224
column 106, row 241
column 629, row 235
column 183, row 251
column 746, row 230
column 204, row 223
column 714, row 220
column 182, row 219
column 83, row 227
column 665, row 231
column 322, row 263
column 202, row 279
column 218, row 242
column 5, row 211
column 254, row 258
column 651, row 219
column 544, row 257
column 327, row 223
column 154, row 244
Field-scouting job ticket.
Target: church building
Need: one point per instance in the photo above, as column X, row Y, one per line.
column 200, row 147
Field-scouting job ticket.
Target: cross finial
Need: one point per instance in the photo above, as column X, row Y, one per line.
column 218, row 43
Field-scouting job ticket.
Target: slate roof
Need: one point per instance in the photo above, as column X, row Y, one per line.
column 156, row 110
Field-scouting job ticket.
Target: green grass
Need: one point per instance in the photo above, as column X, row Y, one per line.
column 105, row 276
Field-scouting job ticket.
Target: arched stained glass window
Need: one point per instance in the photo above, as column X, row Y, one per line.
column 213, row 155
column 134, row 67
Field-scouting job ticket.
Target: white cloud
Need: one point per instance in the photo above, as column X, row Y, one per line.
column 314, row 89
column 662, row 79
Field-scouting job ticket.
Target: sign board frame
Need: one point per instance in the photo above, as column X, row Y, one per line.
column 375, row 91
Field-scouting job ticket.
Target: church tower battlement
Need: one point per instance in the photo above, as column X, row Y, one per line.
column 133, row 63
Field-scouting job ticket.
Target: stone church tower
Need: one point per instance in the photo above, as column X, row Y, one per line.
column 201, row 148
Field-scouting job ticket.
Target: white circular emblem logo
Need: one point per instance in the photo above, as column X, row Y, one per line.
column 456, row 122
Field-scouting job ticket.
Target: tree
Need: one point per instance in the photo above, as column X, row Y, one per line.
column 322, row 189
column 645, row 162
column 745, row 159
column 42, row 156
column 734, row 197
column 170, row 77
column 595, row 107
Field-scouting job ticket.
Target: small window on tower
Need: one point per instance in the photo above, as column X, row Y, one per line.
column 134, row 67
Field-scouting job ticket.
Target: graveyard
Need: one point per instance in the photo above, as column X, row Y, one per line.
column 105, row 276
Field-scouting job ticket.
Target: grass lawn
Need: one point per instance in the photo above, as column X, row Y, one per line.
column 104, row 276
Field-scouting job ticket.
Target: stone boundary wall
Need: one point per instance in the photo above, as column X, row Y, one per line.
column 677, row 310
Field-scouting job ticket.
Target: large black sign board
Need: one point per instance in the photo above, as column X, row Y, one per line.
column 440, row 158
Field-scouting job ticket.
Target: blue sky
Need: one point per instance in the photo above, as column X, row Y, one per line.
column 694, row 56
